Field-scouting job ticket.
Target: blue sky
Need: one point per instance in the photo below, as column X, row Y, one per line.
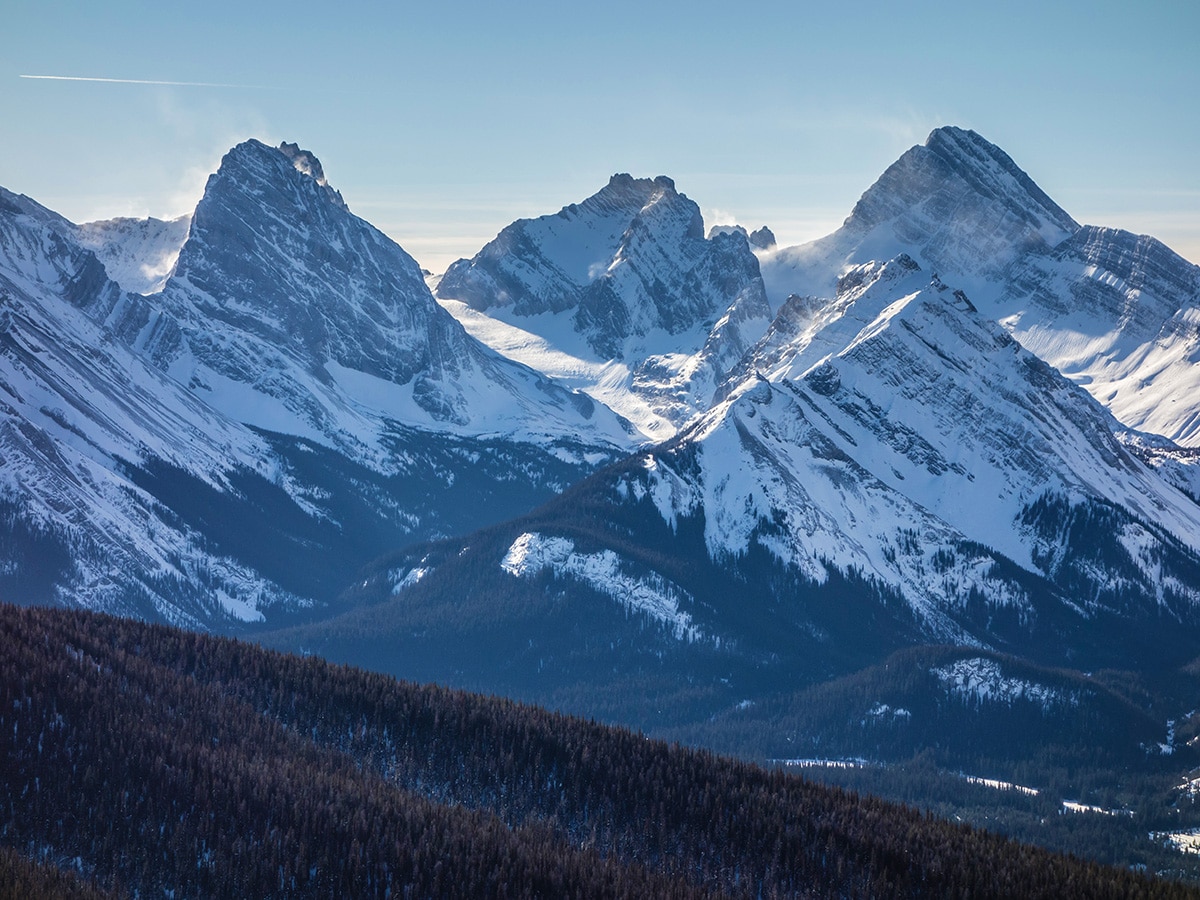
column 442, row 123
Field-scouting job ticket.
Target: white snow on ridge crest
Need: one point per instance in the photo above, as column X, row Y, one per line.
column 652, row 594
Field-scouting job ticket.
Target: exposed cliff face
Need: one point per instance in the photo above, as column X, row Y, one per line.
column 275, row 255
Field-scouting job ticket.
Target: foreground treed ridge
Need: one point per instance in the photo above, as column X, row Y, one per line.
column 24, row 879
column 153, row 759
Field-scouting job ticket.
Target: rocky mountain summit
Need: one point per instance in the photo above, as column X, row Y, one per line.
column 621, row 295
column 1112, row 310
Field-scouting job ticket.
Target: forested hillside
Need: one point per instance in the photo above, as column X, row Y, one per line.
column 152, row 760
column 24, row 879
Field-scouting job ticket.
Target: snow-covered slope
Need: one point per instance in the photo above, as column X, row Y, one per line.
column 1119, row 314
column 138, row 254
column 620, row 295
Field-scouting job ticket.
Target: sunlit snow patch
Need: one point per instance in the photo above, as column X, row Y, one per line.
column 824, row 763
column 884, row 711
column 405, row 578
column 652, row 594
column 1074, row 806
column 983, row 680
column 998, row 785
column 1183, row 841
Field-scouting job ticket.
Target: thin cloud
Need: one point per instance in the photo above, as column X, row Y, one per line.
column 138, row 81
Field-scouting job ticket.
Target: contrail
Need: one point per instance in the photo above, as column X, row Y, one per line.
column 137, row 81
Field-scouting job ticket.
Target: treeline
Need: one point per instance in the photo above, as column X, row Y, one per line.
column 159, row 760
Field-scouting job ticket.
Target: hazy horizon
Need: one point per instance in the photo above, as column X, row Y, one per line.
column 442, row 125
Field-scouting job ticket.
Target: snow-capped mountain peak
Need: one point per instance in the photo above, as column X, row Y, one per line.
column 546, row 264
column 138, row 254
column 273, row 251
column 969, row 184
column 305, row 162
column 620, row 295
column 958, row 204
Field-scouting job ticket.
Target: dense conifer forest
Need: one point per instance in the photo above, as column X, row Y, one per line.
column 23, row 879
column 144, row 760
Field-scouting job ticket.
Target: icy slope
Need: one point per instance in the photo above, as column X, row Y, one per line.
column 620, row 295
